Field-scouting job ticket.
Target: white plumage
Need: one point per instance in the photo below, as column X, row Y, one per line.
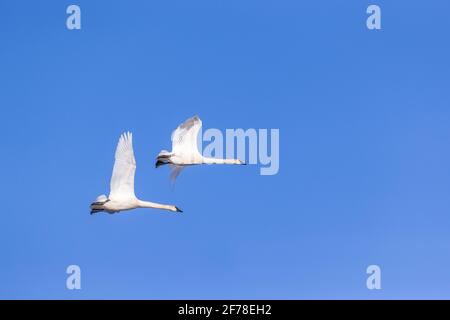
column 121, row 196
column 185, row 150
column 122, row 179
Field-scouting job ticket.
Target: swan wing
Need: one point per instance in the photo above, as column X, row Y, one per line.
column 175, row 171
column 122, row 180
column 184, row 138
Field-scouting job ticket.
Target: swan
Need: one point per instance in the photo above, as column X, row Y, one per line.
column 121, row 196
column 185, row 151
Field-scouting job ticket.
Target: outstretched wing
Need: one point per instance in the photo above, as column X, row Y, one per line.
column 122, row 180
column 184, row 138
column 175, row 171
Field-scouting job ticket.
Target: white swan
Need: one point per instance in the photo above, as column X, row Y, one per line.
column 121, row 196
column 185, row 151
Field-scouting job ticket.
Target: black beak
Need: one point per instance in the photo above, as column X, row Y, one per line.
column 178, row 209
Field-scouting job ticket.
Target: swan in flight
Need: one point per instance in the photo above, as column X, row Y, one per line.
column 185, row 151
column 121, row 196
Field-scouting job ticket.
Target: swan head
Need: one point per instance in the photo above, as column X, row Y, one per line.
column 176, row 209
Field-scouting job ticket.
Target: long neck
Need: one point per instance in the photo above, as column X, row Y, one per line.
column 148, row 204
column 207, row 160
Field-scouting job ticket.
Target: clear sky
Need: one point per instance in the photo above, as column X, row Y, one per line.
column 364, row 119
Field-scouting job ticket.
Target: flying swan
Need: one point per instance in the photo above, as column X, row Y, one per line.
column 185, row 151
column 121, row 196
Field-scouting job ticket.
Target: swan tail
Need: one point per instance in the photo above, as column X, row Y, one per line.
column 97, row 206
column 93, row 211
column 163, row 158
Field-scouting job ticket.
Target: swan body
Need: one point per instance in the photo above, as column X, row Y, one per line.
column 185, row 151
column 121, row 196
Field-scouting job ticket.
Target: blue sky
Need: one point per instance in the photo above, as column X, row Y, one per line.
column 364, row 148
